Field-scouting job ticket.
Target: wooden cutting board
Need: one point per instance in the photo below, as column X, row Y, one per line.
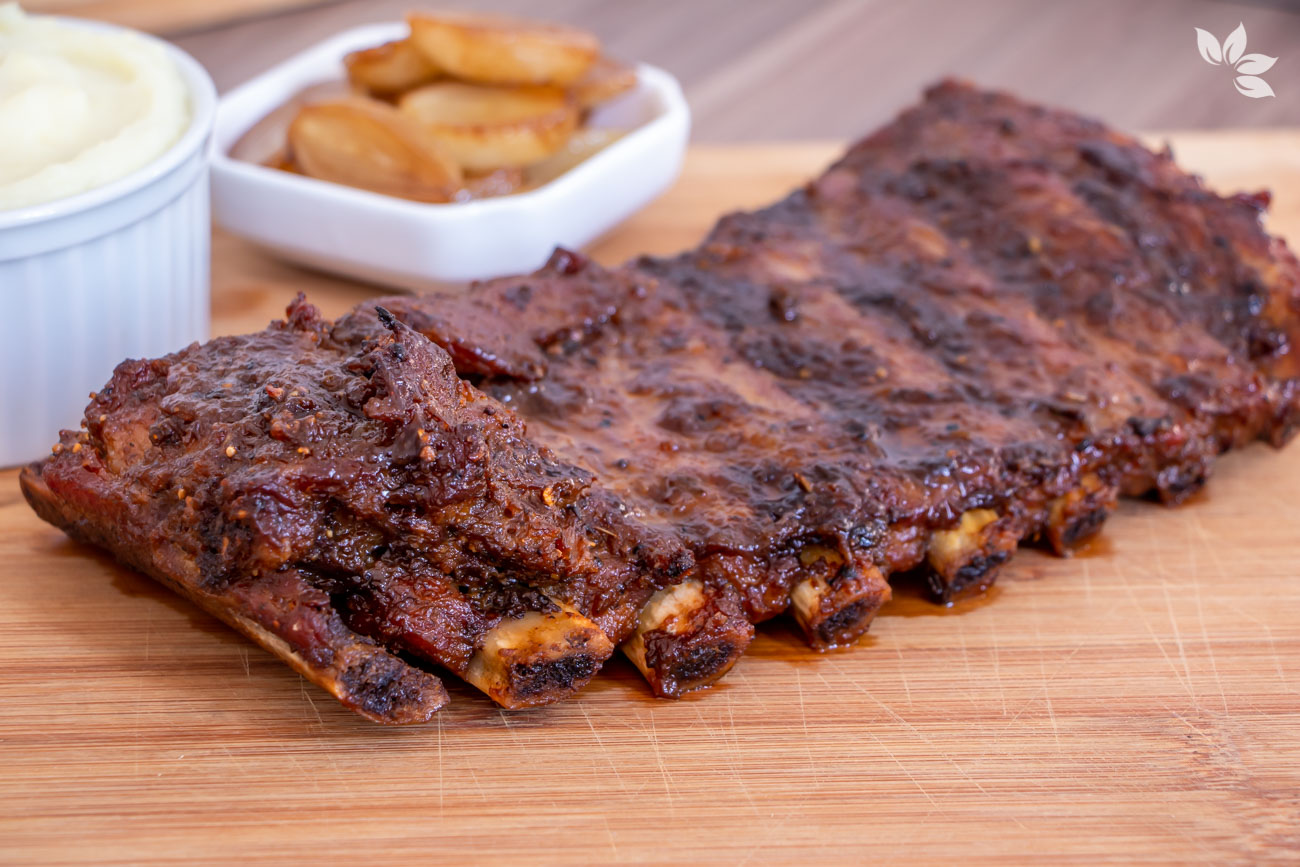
column 1138, row 703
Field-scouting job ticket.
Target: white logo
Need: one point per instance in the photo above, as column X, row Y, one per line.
column 1249, row 67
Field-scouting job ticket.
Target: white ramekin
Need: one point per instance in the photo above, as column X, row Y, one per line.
column 121, row 271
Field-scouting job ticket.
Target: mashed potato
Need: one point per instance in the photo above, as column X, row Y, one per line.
column 80, row 107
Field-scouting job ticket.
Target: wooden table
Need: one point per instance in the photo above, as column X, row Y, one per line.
column 1138, row 703
column 800, row 69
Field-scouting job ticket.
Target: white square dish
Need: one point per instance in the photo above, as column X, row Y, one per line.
column 416, row 245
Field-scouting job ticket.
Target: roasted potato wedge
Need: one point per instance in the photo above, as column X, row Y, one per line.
column 371, row 145
column 493, row 49
column 486, row 128
column 604, row 80
column 389, row 69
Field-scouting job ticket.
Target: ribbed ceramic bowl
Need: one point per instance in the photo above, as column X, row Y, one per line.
column 120, row 271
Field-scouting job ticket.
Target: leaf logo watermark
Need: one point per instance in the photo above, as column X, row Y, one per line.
column 1249, row 67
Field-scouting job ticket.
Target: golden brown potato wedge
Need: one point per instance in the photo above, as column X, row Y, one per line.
column 604, row 80
column 486, row 128
column 494, row 49
column 371, row 145
column 389, row 69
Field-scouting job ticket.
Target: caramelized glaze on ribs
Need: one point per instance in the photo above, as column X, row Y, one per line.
column 978, row 327
column 981, row 326
column 352, row 507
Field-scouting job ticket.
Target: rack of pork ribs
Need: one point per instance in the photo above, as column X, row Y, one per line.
column 979, row 328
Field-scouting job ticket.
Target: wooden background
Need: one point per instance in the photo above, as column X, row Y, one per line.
column 823, row 69
column 1140, row 703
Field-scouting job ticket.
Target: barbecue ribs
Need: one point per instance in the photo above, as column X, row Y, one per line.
column 979, row 328
column 350, row 507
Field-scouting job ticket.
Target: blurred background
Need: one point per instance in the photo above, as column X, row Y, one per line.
column 828, row 69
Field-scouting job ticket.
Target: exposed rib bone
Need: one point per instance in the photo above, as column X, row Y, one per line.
column 688, row 635
column 538, row 658
column 969, row 554
column 1078, row 515
column 839, row 599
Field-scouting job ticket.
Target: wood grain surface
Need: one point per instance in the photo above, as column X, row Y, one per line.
column 1139, row 703
column 812, row 69
column 167, row 16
